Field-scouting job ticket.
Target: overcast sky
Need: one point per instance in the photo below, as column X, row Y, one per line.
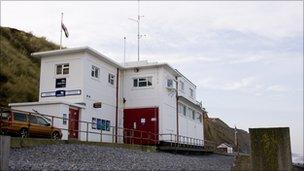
column 246, row 58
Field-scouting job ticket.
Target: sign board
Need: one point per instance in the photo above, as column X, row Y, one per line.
column 60, row 83
column 97, row 105
column 60, row 93
column 143, row 120
column 153, row 119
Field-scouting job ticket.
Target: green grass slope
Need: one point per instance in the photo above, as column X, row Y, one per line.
column 219, row 132
column 19, row 72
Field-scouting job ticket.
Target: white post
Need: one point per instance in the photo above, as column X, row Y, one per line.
column 124, row 46
column 138, row 32
column 61, row 30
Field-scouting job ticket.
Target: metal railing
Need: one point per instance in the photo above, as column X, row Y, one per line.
column 126, row 135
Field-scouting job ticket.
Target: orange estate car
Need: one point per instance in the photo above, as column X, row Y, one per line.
column 26, row 124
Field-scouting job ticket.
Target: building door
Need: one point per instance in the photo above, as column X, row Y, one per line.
column 73, row 122
column 141, row 126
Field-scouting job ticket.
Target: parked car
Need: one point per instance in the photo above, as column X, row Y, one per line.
column 25, row 125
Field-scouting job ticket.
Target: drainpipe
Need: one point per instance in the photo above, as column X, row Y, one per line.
column 116, row 115
column 177, row 126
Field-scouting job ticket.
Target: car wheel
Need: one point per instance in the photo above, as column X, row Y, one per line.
column 55, row 135
column 23, row 133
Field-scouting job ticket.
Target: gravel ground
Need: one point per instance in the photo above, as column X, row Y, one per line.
column 84, row 157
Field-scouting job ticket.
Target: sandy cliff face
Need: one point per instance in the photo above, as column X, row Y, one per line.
column 219, row 132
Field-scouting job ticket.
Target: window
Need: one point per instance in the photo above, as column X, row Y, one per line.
column 32, row 119
column 4, row 115
column 95, row 71
column 41, row 121
column 191, row 92
column 111, row 79
column 169, row 83
column 20, row 117
column 193, row 114
column 142, row 82
column 62, row 69
column 184, row 110
column 101, row 124
column 64, row 120
column 182, row 85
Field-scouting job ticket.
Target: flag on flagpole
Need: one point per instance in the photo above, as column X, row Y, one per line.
column 65, row 30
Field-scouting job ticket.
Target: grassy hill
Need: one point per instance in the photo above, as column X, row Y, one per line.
column 19, row 72
column 219, row 132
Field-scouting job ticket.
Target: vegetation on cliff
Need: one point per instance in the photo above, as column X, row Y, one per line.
column 19, row 72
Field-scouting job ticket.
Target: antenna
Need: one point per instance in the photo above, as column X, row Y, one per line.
column 124, row 48
column 138, row 29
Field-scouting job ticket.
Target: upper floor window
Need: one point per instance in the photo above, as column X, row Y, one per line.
column 184, row 110
column 182, row 85
column 111, row 79
column 62, row 69
column 142, row 82
column 95, row 71
column 191, row 92
column 193, row 114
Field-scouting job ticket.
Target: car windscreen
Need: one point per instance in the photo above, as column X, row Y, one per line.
column 41, row 121
column 4, row 115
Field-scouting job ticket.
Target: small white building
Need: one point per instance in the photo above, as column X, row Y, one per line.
column 225, row 148
column 82, row 84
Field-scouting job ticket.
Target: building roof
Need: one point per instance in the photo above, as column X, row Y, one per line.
column 185, row 78
column 77, row 50
column 146, row 64
column 224, row 145
column 128, row 65
column 45, row 103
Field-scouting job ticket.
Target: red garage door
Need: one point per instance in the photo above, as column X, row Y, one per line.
column 141, row 126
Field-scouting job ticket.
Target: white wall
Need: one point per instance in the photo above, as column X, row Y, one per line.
column 74, row 80
column 140, row 97
column 186, row 92
column 188, row 126
column 99, row 90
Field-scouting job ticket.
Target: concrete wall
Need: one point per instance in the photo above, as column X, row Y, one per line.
column 270, row 149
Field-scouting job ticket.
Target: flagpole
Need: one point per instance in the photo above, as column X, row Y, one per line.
column 61, row 30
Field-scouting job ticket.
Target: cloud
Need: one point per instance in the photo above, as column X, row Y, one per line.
column 277, row 88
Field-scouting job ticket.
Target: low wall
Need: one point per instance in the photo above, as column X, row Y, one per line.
column 270, row 149
column 4, row 152
column 17, row 142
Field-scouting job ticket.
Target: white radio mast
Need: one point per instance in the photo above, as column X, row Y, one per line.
column 124, row 49
column 138, row 28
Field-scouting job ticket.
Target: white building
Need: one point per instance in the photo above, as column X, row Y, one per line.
column 84, row 85
column 225, row 148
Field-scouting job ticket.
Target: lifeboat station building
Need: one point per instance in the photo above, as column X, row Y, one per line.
column 81, row 84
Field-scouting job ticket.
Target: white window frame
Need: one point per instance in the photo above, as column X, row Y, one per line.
column 63, row 67
column 95, row 72
column 184, row 110
column 140, row 80
column 193, row 114
column 111, row 79
column 191, row 92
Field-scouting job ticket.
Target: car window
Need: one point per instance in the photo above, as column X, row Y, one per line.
column 32, row 119
column 20, row 117
column 4, row 115
column 41, row 121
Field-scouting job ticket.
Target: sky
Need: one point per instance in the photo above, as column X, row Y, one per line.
column 246, row 58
